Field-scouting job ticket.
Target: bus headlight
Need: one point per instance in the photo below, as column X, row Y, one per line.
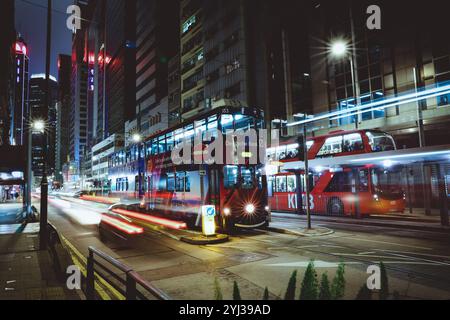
column 227, row 211
column 250, row 208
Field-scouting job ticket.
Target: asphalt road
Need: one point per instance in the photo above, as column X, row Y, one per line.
column 418, row 263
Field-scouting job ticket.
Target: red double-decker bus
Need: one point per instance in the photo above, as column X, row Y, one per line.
column 340, row 189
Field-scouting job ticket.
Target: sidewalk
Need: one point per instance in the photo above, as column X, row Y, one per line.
column 418, row 222
column 26, row 273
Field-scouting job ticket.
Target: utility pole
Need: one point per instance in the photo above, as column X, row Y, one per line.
column 307, row 195
column 44, row 183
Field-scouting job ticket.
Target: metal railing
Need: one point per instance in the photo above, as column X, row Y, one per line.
column 125, row 280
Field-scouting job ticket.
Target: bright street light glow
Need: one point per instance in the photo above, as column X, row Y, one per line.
column 137, row 138
column 339, row 48
column 39, row 125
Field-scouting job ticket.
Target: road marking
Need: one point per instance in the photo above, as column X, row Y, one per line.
column 317, row 264
column 392, row 243
column 324, row 264
column 82, row 262
column 366, row 253
column 420, row 259
column 416, row 253
column 365, row 256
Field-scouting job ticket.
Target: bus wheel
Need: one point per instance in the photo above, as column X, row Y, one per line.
column 335, row 207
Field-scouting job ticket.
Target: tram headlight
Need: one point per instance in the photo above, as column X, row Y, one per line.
column 250, row 208
column 227, row 211
column 267, row 208
column 376, row 197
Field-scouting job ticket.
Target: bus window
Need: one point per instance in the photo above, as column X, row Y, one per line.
column 180, row 179
column 364, row 180
column 387, row 183
column 187, row 183
column 169, row 141
column 291, row 184
column 226, row 122
column 212, row 123
column 162, row 183
column 155, row 148
column 341, row 182
column 281, row 184
column 331, row 147
column 171, row 182
column 189, row 132
column 230, row 174
column 380, row 141
column 200, row 127
column 243, row 123
column 179, row 136
column 353, row 142
column 247, row 178
column 281, row 153
column 162, row 145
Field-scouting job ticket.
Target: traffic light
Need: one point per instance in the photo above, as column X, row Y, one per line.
column 301, row 147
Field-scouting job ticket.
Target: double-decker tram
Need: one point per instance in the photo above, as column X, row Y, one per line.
column 178, row 191
column 125, row 169
column 338, row 189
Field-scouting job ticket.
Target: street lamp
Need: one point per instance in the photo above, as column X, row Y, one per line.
column 340, row 49
column 38, row 126
column 137, row 138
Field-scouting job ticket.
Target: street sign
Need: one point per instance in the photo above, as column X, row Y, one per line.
column 208, row 220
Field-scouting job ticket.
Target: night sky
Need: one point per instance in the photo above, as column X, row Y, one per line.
column 31, row 22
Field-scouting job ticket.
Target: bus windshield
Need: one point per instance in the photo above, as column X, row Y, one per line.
column 387, row 183
column 240, row 177
column 380, row 141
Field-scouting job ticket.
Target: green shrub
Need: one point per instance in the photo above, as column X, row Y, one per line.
column 266, row 294
column 290, row 291
column 236, row 292
column 338, row 285
column 325, row 291
column 384, row 291
column 310, row 286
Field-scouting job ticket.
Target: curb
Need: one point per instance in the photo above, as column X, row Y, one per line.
column 301, row 234
column 443, row 230
column 201, row 240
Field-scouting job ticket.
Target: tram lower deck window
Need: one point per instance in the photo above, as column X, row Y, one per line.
column 231, row 175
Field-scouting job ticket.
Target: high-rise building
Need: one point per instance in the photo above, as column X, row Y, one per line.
column 38, row 88
column 156, row 43
column 241, row 53
column 120, row 45
column 19, row 111
column 63, row 113
column 7, row 52
column 79, row 115
column 174, row 91
column 192, row 57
